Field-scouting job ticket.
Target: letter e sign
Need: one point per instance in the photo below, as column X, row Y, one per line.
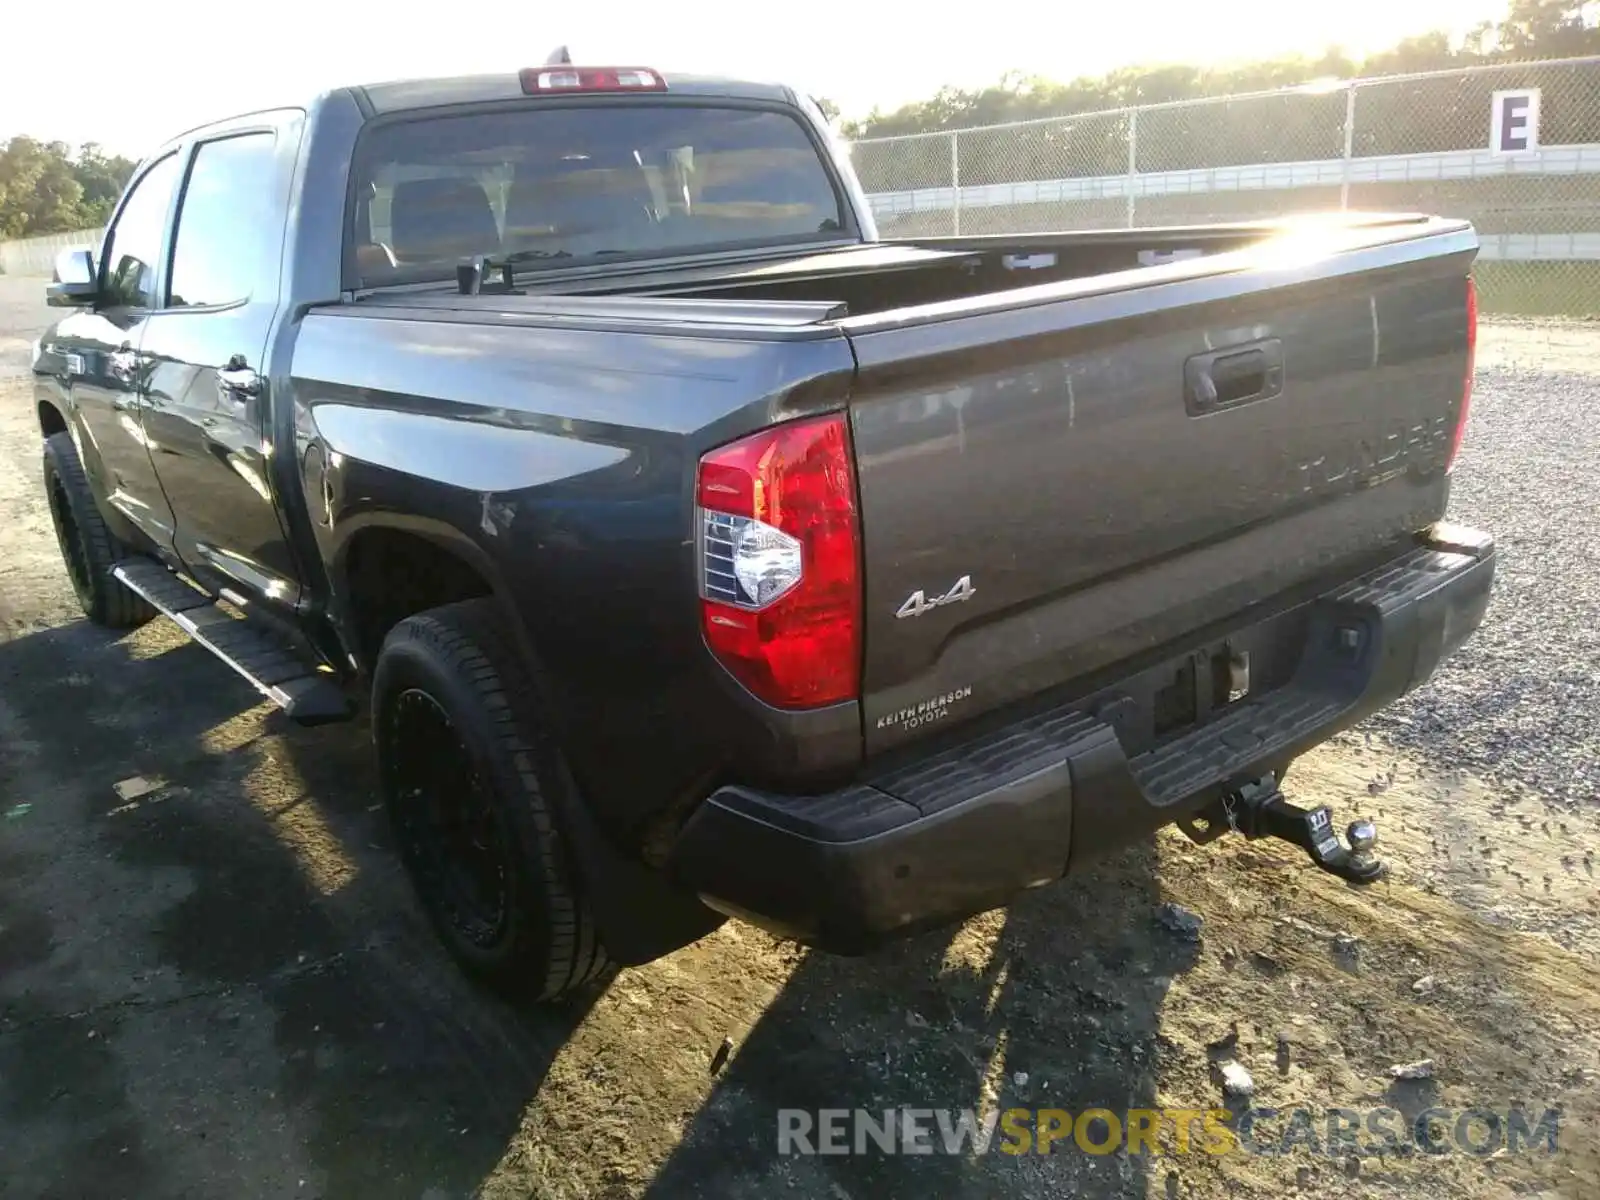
column 1514, row 122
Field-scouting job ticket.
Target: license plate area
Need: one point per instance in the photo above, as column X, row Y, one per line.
column 1186, row 691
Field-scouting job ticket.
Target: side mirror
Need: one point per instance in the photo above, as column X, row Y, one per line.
column 75, row 284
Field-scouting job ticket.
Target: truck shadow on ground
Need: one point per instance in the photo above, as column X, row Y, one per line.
column 225, row 980
column 1053, row 1003
column 267, row 1004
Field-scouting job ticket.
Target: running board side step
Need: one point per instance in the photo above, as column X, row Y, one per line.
column 307, row 694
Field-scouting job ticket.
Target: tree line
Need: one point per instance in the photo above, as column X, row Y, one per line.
column 1531, row 29
column 1080, row 134
column 45, row 188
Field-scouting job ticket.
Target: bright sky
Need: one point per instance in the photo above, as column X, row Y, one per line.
column 130, row 75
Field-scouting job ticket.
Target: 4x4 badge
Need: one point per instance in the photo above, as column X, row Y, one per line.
column 916, row 604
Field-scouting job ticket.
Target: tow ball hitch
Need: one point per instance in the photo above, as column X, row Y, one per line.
column 1259, row 810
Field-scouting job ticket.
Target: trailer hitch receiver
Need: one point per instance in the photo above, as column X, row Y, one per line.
column 1258, row 809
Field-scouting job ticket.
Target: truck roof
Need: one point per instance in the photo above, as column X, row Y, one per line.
column 398, row 95
column 401, row 94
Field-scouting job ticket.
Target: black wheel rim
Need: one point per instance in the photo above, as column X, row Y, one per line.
column 73, row 551
column 445, row 818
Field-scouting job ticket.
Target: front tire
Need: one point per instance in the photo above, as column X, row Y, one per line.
column 466, row 772
column 88, row 547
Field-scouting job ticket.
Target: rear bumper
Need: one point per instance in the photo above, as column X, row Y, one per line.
column 968, row 827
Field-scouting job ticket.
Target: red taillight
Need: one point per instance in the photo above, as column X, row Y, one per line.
column 779, row 561
column 1466, row 386
column 590, row 79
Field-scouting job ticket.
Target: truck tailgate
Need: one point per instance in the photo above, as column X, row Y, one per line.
column 1057, row 479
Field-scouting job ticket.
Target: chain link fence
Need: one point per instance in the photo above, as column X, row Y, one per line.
column 1405, row 143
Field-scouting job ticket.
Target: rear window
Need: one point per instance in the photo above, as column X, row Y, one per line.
column 565, row 186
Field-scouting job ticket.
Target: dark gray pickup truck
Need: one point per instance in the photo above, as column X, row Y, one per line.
column 698, row 552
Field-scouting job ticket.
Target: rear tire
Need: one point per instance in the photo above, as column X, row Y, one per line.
column 467, row 772
column 88, row 547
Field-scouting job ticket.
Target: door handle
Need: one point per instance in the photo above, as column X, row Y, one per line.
column 238, row 379
column 120, row 364
column 1233, row 375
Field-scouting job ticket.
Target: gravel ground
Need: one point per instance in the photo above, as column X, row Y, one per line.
column 1522, row 706
column 222, row 988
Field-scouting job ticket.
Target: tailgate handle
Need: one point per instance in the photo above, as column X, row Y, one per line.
column 1233, row 375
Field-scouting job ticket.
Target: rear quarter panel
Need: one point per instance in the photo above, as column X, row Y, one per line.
column 559, row 460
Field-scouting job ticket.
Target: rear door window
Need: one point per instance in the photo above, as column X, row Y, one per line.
column 568, row 185
column 230, row 224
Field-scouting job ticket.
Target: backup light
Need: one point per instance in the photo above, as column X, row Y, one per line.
column 761, row 562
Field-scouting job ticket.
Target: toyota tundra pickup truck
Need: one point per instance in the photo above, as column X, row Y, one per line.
column 694, row 551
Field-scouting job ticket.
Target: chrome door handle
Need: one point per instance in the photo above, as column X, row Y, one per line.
column 238, row 379
column 121, row 363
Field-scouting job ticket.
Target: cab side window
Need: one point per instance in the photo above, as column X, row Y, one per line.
column 133, row 244
column 230, row 224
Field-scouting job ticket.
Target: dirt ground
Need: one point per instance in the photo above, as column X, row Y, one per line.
column 223, row 988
